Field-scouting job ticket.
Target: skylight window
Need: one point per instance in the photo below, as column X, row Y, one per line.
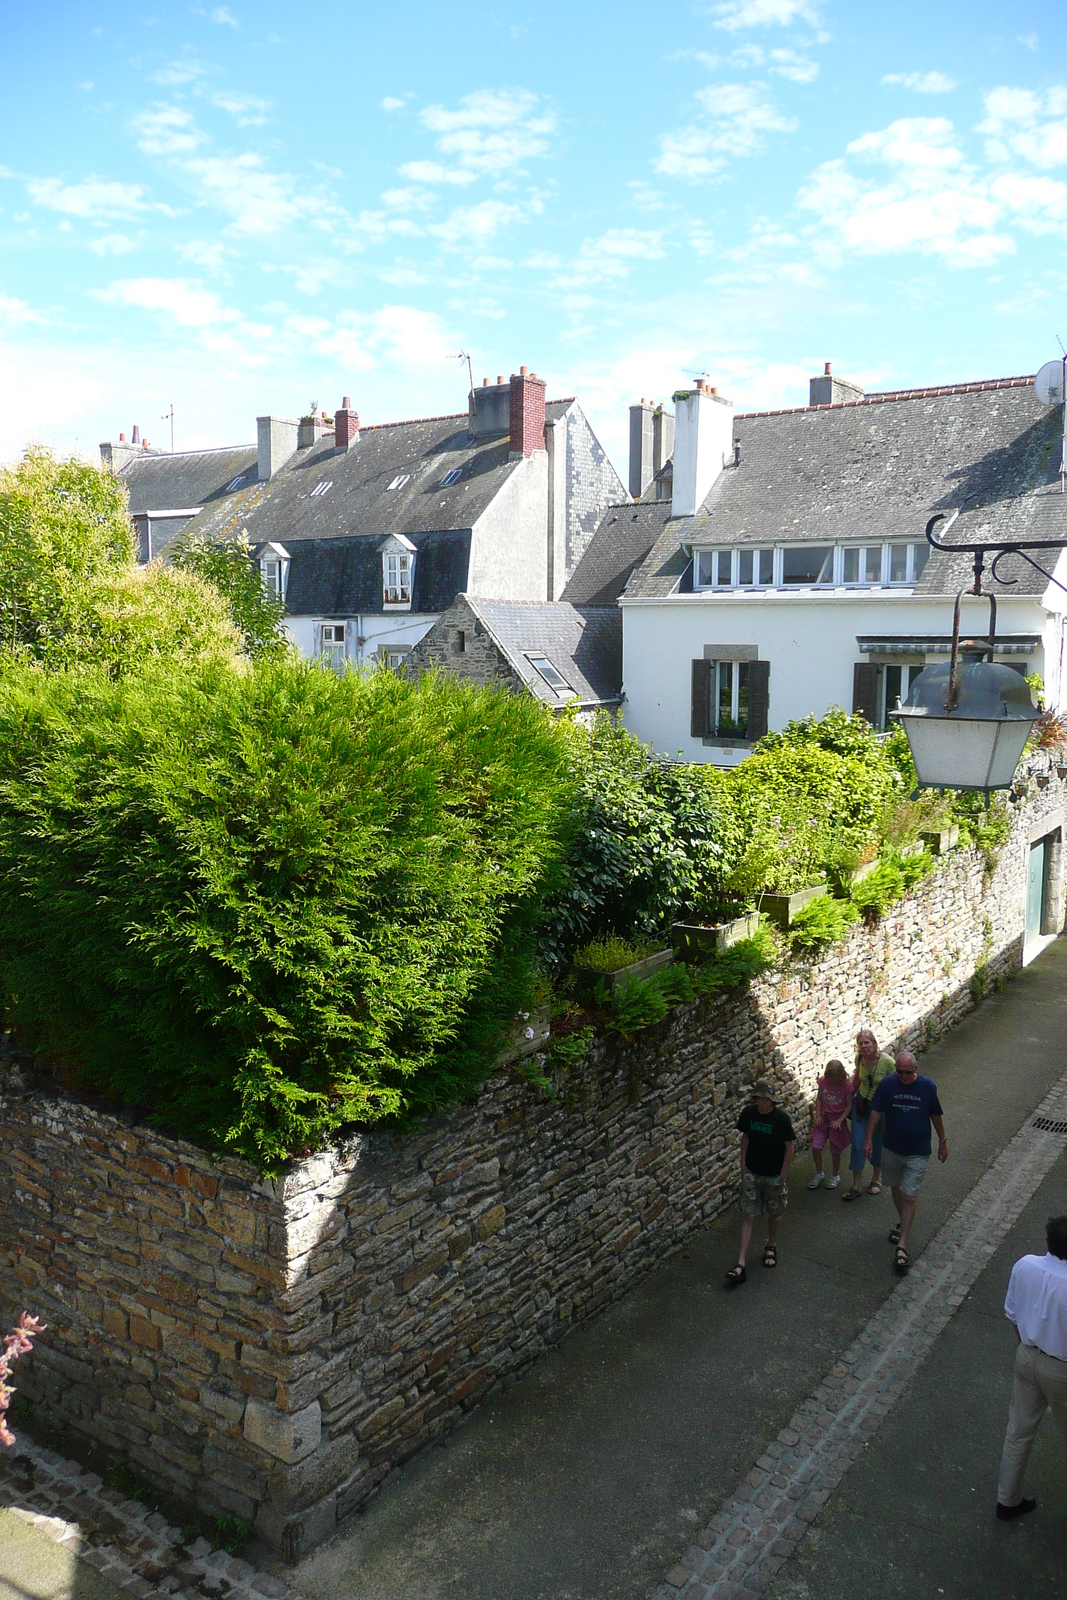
column 451, row 477
column 398, row 482
column 236, row 484
column 322, row 488
column 554, row 679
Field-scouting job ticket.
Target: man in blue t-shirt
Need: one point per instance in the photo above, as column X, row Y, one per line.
column 909, row 1104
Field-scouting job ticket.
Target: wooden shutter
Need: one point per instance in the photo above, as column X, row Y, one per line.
column 865, row 690
column 700, row 705
column 759, row 698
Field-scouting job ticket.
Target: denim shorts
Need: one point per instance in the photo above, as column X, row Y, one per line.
column 903, row 1172
column 759, row 1194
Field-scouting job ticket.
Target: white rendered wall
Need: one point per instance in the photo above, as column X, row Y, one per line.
column 810, row 642
column 703, row 445
column 395, row 628
column 509, row 542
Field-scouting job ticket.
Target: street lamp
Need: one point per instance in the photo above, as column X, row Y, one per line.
column 967, row 723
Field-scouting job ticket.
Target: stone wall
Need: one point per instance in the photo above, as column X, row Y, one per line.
column 273, row 1349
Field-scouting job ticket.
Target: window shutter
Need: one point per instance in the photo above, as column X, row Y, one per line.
column 865, row 690
column 759, row 698
column 700, row 705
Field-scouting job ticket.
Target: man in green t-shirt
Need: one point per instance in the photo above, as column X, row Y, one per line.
column 767, row 1146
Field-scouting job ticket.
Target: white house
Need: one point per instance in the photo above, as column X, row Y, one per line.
column 370, row 533
column 792, row 572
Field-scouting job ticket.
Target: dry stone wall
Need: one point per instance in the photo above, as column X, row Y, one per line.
column 272, row 1349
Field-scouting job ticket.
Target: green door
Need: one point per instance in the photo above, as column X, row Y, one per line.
column 1035, row 890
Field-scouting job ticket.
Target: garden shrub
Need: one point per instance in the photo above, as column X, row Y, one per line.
column 266, row 905
column 822, row 921
column 607, row 953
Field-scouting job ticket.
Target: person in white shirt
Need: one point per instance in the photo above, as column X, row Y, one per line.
column 1036, row 1303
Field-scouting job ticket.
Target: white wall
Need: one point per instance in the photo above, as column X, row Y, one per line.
column 810, row 642
column 392, row 628
column 509, row 542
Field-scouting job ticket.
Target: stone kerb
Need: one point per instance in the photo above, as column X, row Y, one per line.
column 274, row 1349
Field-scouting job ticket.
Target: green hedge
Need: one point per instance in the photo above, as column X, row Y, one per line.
column 265, row 905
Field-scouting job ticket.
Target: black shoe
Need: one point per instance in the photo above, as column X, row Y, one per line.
column 1006, row 1513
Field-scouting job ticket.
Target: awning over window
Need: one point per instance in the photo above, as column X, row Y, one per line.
column 927, row 644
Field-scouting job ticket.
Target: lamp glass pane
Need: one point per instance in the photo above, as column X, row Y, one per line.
column 965, row 753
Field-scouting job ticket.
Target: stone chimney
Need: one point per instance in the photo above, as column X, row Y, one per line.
column 642, row 444
column 827, row 390
column 113, row 457
column 309, row 431
column 277, row 441
column 489, row 409
column 527, row 413
column 703, row 445
column 346, row 425
column 662, row 438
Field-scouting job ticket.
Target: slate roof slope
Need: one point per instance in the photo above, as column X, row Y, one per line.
column 583, row 643
column 358, row 501
column 186, row 479
column 622, row 541
column 343, row 577
column 880, row 467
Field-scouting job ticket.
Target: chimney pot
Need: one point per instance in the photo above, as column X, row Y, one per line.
column 524, row 372
column 499, row 379
column 136, row 434
column 122, row 438
column 713, row 391
column 346, row 403
column 485, row 383
column 828, row 368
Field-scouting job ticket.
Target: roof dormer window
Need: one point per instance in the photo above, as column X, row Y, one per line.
column 398, row 572
column 274, row 569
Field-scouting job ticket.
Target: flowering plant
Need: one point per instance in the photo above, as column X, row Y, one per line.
column 17, row 1343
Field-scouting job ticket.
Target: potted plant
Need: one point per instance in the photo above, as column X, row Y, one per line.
column 616, row 961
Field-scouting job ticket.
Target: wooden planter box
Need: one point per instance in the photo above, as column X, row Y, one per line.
column 697, row 936
column 916, row 848
column 864, row 871
column 782, row 908
column 941, row 840
column 528, row 1036
column 587, row 978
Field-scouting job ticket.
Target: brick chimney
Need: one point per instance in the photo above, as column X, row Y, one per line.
column 346, row 425
column 527, row 413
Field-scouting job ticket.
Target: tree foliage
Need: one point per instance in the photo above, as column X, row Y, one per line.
column 229, row 568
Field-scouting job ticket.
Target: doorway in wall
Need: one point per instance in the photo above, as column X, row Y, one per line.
column 1040, row 927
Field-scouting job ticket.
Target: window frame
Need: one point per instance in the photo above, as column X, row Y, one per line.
column 706, row 562
column 334, row 649
column 405, row 574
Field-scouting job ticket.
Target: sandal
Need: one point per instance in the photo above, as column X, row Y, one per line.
column 770, row 1255
column 900, row 1260
column 894, row 1235
column 735, row 1276
column 853, row 1194
column 874, row 1188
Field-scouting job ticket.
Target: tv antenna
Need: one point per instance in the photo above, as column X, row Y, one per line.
column 464, row 355
column 170, row 414
column 1050, row 386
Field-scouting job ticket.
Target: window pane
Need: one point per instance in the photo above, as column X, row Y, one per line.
column 705, row 559
column 898, row 563
column 922, row 555
column 894, row 689
column 766, row 567
column 742, row 699
column 807, row 564
column 724, row 720
column 722, row 573
column 744, row 566
column 873, row 572
column 850, row 569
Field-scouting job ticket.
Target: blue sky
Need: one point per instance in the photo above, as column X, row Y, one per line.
column 243, row 209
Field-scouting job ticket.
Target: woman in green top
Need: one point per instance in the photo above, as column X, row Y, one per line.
column 871, row 1067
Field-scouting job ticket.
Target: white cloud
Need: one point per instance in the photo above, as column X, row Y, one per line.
column 923, row 82
column 492, row 133
column 93, row 197
column 733, row 15
column 207, row 253
column 471, row 227
column 1030, row 40
column 184, row 300
column 112, row 244
column 16, row 313
column 167, row 131
column 434, row 172
column 247, row 110
column 408, row 199
column 224, row 17
column 1026, row 123
column 391, row 103
column 782, row 62
column 374, row 227
column 398, row 336
column 176, row 73
column 737, row 118
column 608, row 259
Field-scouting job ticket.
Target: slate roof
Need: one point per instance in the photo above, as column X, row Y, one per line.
column 358, row 502
column 880, row 467
column 583, row 643
column 622, row 541
column 343, row 577
column 186, row 479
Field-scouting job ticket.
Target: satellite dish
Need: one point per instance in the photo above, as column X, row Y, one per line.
column 1048, row 385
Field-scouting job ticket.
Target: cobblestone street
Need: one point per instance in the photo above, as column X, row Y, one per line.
column 823, row 1422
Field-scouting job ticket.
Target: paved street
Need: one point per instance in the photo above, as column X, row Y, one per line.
column 587, row 1479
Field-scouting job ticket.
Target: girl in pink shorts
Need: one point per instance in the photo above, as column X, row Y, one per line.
column 830, row 1123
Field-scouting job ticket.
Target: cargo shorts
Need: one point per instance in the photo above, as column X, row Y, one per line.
column 759, row 1194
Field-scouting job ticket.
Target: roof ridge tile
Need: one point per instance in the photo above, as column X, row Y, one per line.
column 978, row 386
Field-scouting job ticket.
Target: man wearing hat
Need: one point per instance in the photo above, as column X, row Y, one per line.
column 767, row 1146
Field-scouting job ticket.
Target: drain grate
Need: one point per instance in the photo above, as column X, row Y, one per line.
column 1047, row 1125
